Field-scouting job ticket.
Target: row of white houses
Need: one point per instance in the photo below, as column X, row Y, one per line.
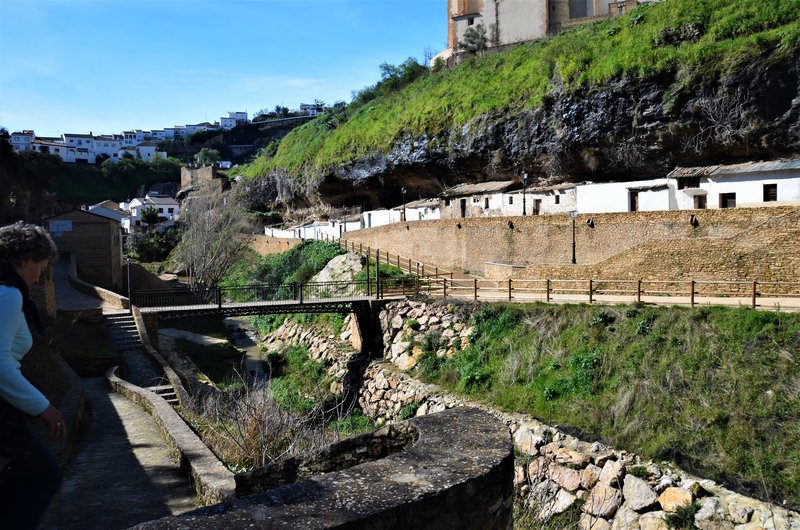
column 749, row 184
column 87, row 148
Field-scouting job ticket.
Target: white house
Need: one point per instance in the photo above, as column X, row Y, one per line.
column 21, row 141
column 227, row 123
column 107, row 145
column 546, row 200
column 68, row 154
column 240, row 117
column 775, row 182
column 311, row 109
column 641, row 195
column 421, row 210
column 167, row 207
column 484, row 199
column 375, row 218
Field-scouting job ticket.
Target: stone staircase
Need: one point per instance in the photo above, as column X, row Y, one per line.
column 138, row 367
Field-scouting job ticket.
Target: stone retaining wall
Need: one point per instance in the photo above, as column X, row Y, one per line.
column 546, row 241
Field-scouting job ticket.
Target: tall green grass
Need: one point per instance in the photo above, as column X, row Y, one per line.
column 716, row 390
column 732, row 33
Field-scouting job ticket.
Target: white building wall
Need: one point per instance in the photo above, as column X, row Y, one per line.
column 749, row 188
column 615, row 196
column 375, row 218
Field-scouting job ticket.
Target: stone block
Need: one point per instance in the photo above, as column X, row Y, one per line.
column 653, row 521
column 603, row 501
column 639, row 496
column 612, row 473
column 740, row 513
column 565, row 477
column 572, row 458
column 590, row 476
column 590, row 522
column 673, row 498
column 626, row 519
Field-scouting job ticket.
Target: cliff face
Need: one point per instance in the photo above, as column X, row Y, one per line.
column 625, row 129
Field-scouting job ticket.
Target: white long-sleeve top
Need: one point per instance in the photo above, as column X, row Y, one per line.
column 15, row 342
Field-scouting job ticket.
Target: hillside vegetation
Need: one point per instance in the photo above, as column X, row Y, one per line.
column 716, row 390
column 677, row 41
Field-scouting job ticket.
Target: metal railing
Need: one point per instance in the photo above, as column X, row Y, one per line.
column 687, row 292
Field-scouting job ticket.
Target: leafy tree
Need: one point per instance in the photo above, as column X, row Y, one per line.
column 150, row 216
column 207, row 156
column 475, row 39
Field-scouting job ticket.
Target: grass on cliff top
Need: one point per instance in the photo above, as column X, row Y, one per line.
column 637, row 45
column 717, row 390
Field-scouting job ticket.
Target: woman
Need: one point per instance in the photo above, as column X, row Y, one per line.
column 29, row 475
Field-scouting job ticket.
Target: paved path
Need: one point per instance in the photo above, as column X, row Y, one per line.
column 122, row 474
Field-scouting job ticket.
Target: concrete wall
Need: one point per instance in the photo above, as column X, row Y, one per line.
column 467, row 244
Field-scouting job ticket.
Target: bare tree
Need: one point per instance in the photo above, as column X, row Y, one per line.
column 723, row 119
column 214, row 238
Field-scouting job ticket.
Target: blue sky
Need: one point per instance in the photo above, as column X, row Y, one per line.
column 111, row 65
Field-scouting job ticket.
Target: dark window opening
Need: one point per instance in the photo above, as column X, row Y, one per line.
column 511, row 200
column 537, row 206
column 633, row 201
column 558, row 199
column 470, row 21
column 770, row 192
column 486, row 203
column 727, row 200
column 699, row 202
column 688, row 182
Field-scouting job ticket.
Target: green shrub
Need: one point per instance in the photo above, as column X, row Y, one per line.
column 409, row 411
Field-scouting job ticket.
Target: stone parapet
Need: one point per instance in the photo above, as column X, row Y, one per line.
column 458, row 475
column 212, row 481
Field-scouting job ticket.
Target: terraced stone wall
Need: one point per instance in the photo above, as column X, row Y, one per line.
column 546, row 241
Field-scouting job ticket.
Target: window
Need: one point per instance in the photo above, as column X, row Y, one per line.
column 470, row 21
column 537, row 206
column 476, row 200
column 486, row 203
column 699, row 202
column 511, row 200
column 447, row 202
column 633, row 201
column 558, row 199
column 770, row 192
column 727, row 200
column 161, row 210
column 170, row 210
column 688, row 182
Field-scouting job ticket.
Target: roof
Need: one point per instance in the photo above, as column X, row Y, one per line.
column 78, row 135
column 421, row 203
column 162, row 200
column 67, row 215
column 108, row 204
column 736, row 169
column 475, row 189
column 545, row 189
column 23, row 133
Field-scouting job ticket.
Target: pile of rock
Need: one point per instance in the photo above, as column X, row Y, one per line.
column 408, row 325
column 617, row 490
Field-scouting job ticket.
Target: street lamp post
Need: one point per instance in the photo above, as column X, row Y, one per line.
column 12, row 200
column 403, row 191
column 524, row 185
column 573, row 214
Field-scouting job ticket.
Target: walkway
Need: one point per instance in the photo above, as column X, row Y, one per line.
column 122, row 473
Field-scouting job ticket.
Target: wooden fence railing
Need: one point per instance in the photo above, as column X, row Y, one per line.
column 592, row 289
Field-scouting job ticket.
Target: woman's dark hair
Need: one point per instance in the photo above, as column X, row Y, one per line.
column 21, row 242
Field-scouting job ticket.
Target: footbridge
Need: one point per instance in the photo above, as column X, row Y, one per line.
column 264, row 299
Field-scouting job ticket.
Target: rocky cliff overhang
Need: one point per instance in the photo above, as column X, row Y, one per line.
column 626, row 129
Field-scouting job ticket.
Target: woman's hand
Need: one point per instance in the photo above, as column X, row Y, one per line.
column 55, row 423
